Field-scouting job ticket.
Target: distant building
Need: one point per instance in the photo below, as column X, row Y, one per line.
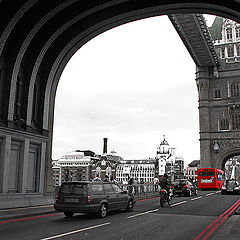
column 73, row 166
column 191, row 170
column 232, row 168
column 106, row 163
column 141, row 170
column 168, row 162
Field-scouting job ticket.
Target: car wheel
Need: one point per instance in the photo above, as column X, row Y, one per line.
column 68, row 214
column 130, row 206
column 102, row 210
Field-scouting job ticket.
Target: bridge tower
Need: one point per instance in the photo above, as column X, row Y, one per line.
column 219, row 97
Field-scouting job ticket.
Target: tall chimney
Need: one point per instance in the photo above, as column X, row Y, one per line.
column 105, row 145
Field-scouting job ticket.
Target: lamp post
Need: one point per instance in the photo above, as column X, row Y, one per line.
column 216, row 147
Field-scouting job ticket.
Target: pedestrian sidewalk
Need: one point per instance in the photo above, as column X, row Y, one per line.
column 25, row 212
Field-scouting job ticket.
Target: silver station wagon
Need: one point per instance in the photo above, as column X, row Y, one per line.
column 92, row 197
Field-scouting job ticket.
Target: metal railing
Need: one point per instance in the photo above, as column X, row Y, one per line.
column 140, row 190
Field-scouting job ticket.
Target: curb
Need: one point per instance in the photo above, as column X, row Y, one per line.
column 237, row 211
column 26, row 215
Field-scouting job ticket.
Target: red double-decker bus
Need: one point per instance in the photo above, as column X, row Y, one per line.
column 210, row 178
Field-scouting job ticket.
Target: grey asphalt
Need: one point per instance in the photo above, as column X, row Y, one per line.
column 184, row 221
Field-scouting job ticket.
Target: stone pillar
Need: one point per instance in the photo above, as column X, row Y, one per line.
column 25, row 154
column 202, row 79
column 4, row 166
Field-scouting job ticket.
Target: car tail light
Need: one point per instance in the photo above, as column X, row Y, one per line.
column 89, row 199
column 57, row 196
column 186, row 186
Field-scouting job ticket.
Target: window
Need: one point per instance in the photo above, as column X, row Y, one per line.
column 237, row 30
column 217, row 93
column 230, row 51
column 74, row 188
column 97, row 189
column 223, row 52
column 234, row 90
column 238, row 50
column 108, row 188
column 236, row 121
column 224, row 124
column 206, row 174
column 116, row 188
column 229, row 33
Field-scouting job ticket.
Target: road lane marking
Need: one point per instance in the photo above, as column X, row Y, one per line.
column 209, row 194
column 76, row 231
column 221, row 221
column 192, row 199
column 143, row 213
column 178, row 203
column 28, row 218
column 217, row 221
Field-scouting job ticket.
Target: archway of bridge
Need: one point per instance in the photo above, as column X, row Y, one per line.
column 29, row 106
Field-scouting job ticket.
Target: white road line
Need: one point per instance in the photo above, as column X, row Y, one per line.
column 143, row 213
column 209, row 194
column 178, row 203
column 17, row 209
column 192, row 199
column 218, row 191
column 77, row 231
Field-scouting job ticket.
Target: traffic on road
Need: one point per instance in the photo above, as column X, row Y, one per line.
column 195, row 217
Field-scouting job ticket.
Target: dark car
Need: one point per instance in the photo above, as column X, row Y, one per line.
column 92, row 197
column 184, row 187
column 230, row 186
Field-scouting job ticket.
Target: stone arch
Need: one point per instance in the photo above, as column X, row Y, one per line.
column 37, row 50
column 223, row 157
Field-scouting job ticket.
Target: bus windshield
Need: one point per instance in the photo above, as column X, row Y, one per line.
column 206, row 174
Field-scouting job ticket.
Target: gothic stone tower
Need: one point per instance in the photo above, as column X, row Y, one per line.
column 219, row 97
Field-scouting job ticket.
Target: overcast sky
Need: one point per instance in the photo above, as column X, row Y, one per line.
column 132, row 84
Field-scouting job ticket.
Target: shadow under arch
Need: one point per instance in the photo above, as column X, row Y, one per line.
column 129, row 16
column 75, row 44
column 225, row 156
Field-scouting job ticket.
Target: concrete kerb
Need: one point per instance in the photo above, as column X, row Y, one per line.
column 237, row 211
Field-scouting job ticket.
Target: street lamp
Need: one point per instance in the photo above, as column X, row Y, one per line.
column 216, row 147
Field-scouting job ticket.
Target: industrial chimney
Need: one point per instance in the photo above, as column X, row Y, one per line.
column 105, row 145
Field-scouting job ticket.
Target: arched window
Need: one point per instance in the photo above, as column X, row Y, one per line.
column 224, row 124
column 109, row 171
column 237, row 31
column 98, row 172
column 230, row 51
column 223, row 52
column 217, row 93
column 238, row 50
column 229, row 33
column 236, row 121
column 234, row 90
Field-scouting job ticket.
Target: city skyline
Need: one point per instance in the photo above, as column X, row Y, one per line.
column 153, row 94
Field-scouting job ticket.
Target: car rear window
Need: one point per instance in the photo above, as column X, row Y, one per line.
column 97, row 189
column 181, row 182
column 74, row 188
